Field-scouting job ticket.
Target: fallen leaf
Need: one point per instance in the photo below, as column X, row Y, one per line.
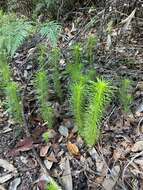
column 15, row 183
column 22, row 146
column 127, row 21
column 63, row 131
column 7, row 166
column 44, row 150
column 48, row 164
column 67, row 178
column 73, row 149
column 52, row 158
column 111, row 179
column 5, row 178
column 138, row 146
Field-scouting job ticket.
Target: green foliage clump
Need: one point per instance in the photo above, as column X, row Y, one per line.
column 52, row 186
column 100, row 96
column 42, row 55
column 13, row 32
column 5, row 73
column 41, row 84
column 51, row 30
column 76, row 54
column 78, row 92
column 125, row 96
column 54, row 62
column 46, row 137
column 91, row 43
column 13, row 102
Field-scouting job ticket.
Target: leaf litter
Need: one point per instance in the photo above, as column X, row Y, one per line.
column 84, row 168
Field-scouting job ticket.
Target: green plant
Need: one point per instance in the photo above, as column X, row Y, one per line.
column 13, row 32
column 46, row 136
column 125, row 96
column 100, row 95
column 75, row 71
column 91, row 43
column 78, row 93
column 54, row 62
column 51, row 30
column 4, row 69
column 13, row 102
column 76, row 54
column 42, row 55
column 52, row 186
column 41, row 84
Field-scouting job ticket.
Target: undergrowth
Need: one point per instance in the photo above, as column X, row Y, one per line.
column 91, row 43
column 99, row 97
column 13, row 102
column 125, row 95
column 41, row 85
column 56, row 76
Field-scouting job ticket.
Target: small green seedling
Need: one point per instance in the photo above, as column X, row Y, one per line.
column 4, row 70
column 125, row 96
column 54, row 61
column 41, row 85
column 13, row 102
column 76, row 54
column 52, row 186
column 100, row 96
column 91, row 43
column 46, row 136
column 42, row 55
column 78, row 93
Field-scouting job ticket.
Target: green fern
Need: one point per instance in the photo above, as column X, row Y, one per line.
column 41, row 84
column 54, row 62
column 99, row 98
column 78, row 93
column 13, row 102
column 91, row 42
column 13, row 32
column 125, row 96
column 51, row 30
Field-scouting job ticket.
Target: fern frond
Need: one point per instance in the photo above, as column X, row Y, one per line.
column 100, row 97
column 41, row 84
column 125, row 96
column 13, row 32
column 13, row 102
column 78, row 93
column 51, row 30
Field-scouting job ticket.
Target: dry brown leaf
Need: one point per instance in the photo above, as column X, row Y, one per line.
column 138, row 146
column 73, row 149
column 52, row 158
column 44, row 150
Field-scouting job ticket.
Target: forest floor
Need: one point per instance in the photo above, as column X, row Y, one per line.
column 116, row 162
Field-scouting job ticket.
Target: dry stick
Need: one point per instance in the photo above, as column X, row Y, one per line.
column 129, row 163
column 26, row 127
